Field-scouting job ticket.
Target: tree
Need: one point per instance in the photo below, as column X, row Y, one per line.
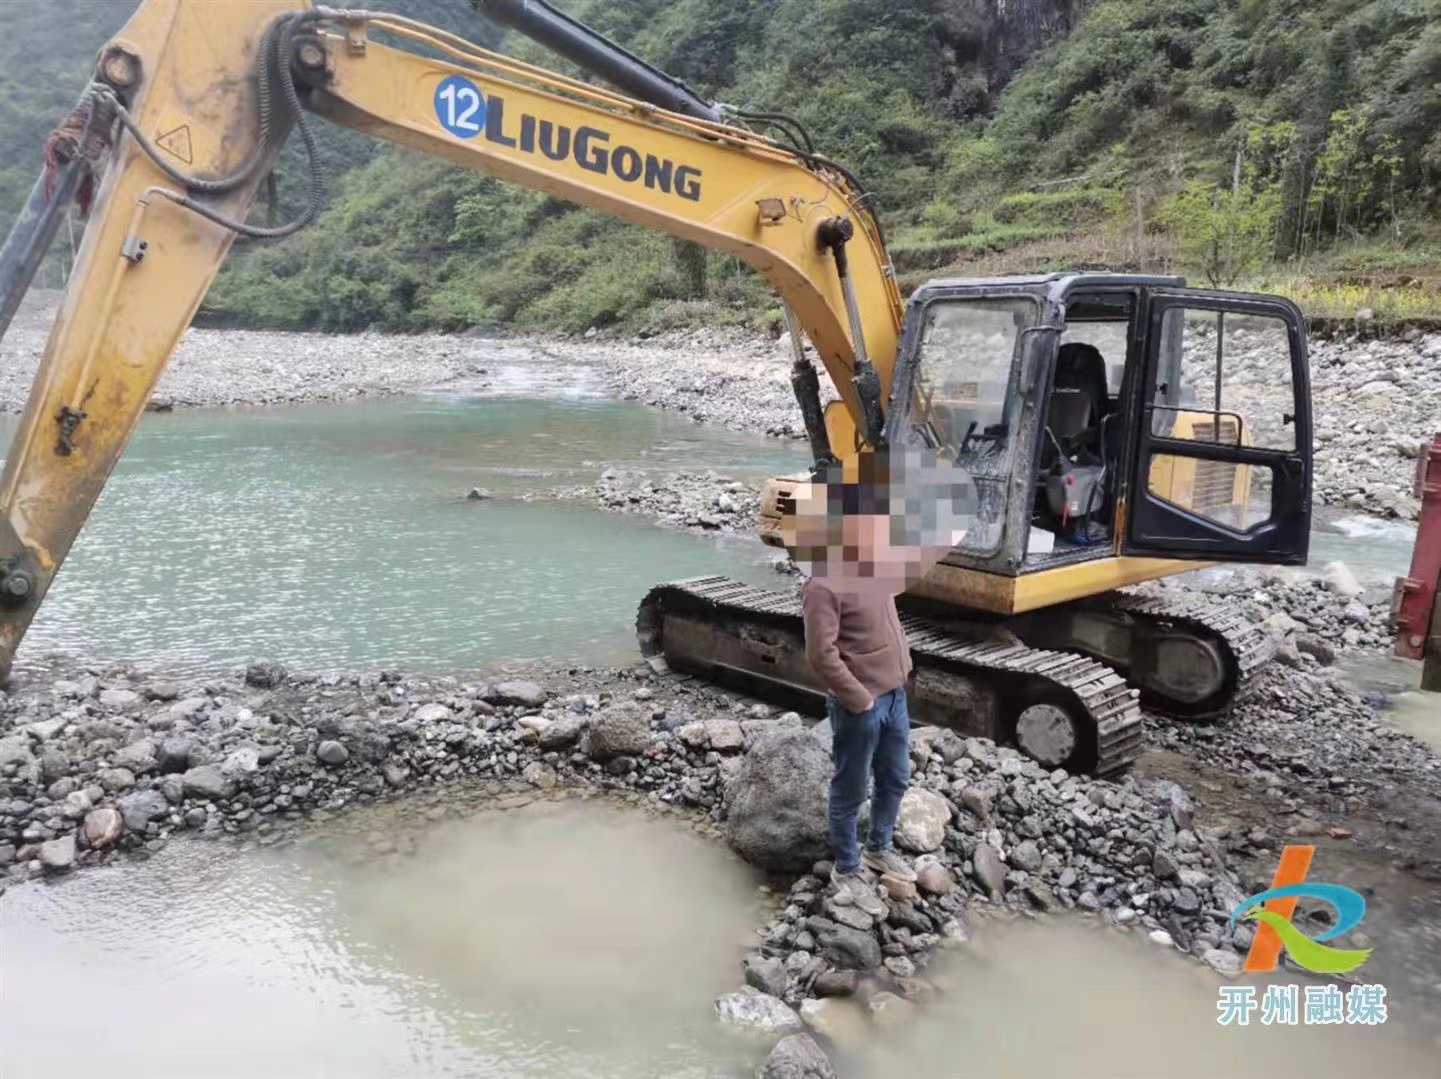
column 1223, row 233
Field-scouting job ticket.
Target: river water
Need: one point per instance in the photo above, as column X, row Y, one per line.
column 339, row 536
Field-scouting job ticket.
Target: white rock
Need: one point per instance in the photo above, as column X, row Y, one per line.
column 58, row 855
column 1341, row 580
column 1227, row 964
column 431, row 713
column 750, row 1009
column 921, row 824
column 242, row 761
column 119, row 698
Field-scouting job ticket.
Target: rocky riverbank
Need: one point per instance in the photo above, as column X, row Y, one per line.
column 1375, row 400
column 99, row 764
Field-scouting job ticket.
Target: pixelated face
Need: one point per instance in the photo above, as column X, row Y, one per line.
column 883, row 520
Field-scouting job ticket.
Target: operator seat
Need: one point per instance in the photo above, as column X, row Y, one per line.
column 1080, row 366
column 1076, row 415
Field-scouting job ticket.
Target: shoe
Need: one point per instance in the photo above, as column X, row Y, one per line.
column 854, row 889
column 888, row 864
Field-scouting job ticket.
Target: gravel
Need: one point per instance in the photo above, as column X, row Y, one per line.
column 700, row 502
column 1375, row 402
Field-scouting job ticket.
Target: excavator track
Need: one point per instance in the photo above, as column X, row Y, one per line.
column 997, row 687
column 1245, row 647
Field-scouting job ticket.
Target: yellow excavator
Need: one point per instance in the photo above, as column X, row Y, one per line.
column 1118, row 428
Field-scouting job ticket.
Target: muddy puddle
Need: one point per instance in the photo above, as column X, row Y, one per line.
column 571, row 937
column 1065, row 998
column 560, row 939
column 1407, row 708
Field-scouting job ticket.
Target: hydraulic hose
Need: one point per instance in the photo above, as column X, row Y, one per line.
column 275, row 48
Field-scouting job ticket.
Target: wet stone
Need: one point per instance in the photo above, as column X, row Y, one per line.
column 766, row 973
column 836, row 983
column 1164, row 865
column 528, row 694
column 1026, row 855
column 900, row 966
column 61, row 787
column 750, row 1009
column 1187, row 901
column 119, row 698
column 1225, row 963
column 933, row 877
column 796, row 1056
column 53, row 765
column 989, row 869
column 138, row 809
column 175, row 753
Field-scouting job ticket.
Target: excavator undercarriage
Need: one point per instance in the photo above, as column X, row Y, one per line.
column 1066, row 688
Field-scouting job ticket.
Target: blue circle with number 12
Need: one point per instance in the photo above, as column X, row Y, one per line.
column 459, row 106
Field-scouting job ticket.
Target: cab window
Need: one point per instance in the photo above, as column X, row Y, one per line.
column 963, row 398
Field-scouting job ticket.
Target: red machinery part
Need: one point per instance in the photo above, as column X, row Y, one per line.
column 1414, row 605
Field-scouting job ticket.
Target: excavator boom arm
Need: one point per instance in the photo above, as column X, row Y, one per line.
column 189, row 74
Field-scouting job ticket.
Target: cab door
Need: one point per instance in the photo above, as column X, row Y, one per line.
column 1220, row 458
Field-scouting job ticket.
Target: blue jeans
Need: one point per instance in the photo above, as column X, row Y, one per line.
column 876, row 742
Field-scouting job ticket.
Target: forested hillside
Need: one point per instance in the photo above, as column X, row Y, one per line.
column 1290, row 143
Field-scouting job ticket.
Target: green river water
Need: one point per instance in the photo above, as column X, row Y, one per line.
column 339, row 536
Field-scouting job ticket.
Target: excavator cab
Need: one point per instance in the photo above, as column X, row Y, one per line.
column 1107, row 419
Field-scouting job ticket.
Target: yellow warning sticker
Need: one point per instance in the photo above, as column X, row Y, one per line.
column 176, row 143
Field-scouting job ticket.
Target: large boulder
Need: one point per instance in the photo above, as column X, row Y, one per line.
column 776, row 803
column 622, row 730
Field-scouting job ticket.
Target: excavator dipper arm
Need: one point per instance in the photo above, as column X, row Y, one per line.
column 189, row 75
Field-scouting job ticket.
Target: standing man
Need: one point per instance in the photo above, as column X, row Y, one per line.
column 855, row 643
